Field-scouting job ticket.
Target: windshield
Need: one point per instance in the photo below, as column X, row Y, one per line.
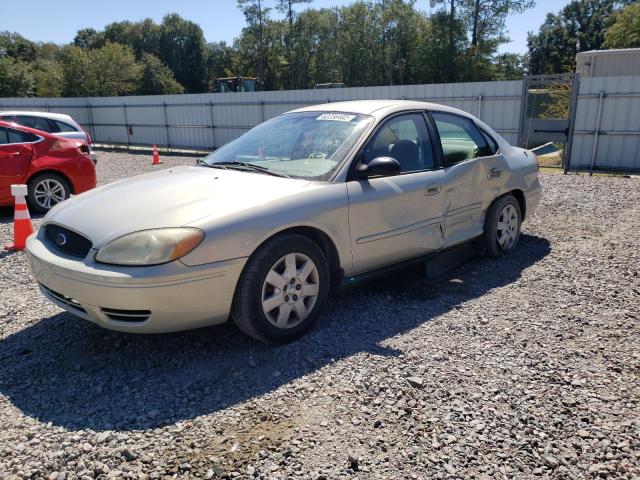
column 307, row 145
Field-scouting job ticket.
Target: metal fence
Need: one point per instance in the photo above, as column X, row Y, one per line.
column 606, row 133
column 207, row 121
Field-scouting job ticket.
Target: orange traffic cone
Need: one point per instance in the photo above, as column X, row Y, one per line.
column 156, row 156
column 22, row 226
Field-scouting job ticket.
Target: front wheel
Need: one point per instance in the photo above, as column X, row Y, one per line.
column 282, row 290
column 502, row 226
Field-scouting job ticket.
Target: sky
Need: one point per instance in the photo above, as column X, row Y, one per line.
column 58, row 21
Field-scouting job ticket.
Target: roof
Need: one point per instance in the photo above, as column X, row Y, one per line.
column 377, row 108
column 53, row 116
column 613, row 51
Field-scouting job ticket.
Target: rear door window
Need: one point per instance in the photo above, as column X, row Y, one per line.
column 39, row 123
column 64, row 127
column 460, row 138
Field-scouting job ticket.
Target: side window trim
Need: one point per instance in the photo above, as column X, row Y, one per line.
column 438, row 154
column 490, row 140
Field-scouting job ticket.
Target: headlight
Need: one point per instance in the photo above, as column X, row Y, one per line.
column 150, row 247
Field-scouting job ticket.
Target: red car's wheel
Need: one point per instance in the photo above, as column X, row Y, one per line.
column 47, row 190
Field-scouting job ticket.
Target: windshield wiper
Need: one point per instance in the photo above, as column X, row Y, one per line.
column 250, row 166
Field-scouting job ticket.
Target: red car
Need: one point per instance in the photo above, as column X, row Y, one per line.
column 52, row 167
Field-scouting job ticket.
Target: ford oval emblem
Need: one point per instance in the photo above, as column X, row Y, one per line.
column 60, row 239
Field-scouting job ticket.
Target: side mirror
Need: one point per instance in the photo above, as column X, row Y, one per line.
column 379, row 166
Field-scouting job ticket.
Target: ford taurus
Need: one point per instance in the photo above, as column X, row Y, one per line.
column 261, row 229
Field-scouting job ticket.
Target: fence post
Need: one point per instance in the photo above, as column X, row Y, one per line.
column 573, row 104
column 261, row 110
column 596, row 133
column 166, row 125
column 480, row 97
column 126, row 124
column 91, row 125
column 523, row 110
column 213, row 132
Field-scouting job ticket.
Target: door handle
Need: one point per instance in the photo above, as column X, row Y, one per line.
column 494, row 173
column 432, row 190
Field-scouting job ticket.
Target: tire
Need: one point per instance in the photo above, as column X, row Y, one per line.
column 47, row 190
column 500, row 238
column 257, row 291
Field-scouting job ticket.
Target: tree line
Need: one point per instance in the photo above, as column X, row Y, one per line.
column 374, row 42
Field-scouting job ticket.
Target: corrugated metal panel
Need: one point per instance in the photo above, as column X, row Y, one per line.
column 608, row 63
column 618, row 139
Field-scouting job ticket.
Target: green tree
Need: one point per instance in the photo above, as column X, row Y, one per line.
column 434, row 63
column 401, row 26
column 114, row 70
column 287, row 8
column 16, row 78
column 49, row 78
column 486, row 23
column 360, row 48
column 16, row 46
column 142, row 37
column 314, row 52
column 256, row 16
column 580, row 26
column 448, row 17
column 182, row 49
column 219, row 62
column 510, row 66
column 77, row 73
column 89, row 38
column 107, row 71
column 625, row 30
column 157, row 78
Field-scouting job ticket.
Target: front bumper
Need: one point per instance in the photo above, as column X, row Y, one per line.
column 162, row 298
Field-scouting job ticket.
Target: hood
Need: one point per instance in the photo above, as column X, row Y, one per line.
column 168, row 198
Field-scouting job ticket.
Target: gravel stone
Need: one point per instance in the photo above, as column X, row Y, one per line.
column 417, row 382
column 529, row 367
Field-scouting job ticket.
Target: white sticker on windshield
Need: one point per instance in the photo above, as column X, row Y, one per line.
column 336, row 117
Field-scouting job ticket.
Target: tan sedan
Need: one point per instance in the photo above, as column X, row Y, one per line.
column 261, row 229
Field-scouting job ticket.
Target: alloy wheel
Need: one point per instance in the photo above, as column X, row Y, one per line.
column 49, row 192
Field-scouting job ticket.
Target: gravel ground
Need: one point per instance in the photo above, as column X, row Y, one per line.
column 522, row 367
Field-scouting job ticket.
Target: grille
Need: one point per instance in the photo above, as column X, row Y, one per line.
column 132, row 316
column 67, row 241
column 68, row 301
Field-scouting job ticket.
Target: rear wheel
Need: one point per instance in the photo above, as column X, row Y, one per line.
column 502, row 226
column 46, row 191
column 282, row 290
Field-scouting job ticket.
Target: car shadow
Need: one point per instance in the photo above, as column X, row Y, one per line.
column 71, row 373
